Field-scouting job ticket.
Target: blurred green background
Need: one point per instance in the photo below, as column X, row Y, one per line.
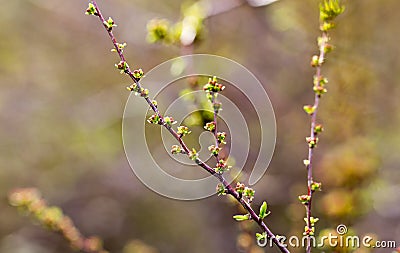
column 61, row 106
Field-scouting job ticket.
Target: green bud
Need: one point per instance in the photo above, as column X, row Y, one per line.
column 210, row 126
column 315, row 186
column 177, row 150
column 138, row 73
column 262, row 236
column 221, row 136
column 122, row 66
column 240, row 187
column 214, row 150
column 304, row 199
column 328, row 48
column 318, row 129
column 309, row 109
column 326, row 26
column 91, row 10
column 221, row 190
column 221, row 167
column 109, row 24
column 312, row 220
column 183, row 130
column 120, row 47
column 320, row 90
column 312, row 141
column 144, row 92
column 315, row 61
column 169, row 121
column 309, row 231
column 154, row 119
column 330, row 9
column 249, row 193
column 134, row 88
column 193, row 154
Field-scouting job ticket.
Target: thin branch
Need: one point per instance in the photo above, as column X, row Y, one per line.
column 313, row 136
column 230, row 190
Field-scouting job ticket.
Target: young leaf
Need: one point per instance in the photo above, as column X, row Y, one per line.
column 263, row 210
column 240, row 217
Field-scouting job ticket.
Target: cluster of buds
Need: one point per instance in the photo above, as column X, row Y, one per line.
column 245, row 191
column 221, row 167
column 183, row 130
column 213, row 85
column 319, row 85
column 310, row 229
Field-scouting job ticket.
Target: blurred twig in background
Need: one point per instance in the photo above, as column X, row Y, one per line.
column 30, row 202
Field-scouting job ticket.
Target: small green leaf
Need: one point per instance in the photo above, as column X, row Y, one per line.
column 263, row 210
column 241, row 217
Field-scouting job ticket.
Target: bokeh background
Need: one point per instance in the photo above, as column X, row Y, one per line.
column 61, row 107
